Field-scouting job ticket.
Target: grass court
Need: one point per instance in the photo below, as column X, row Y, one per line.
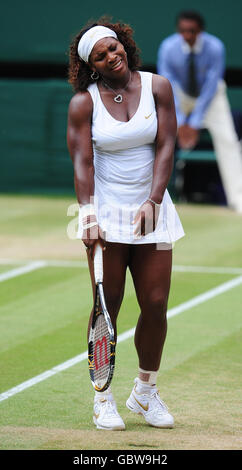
column 45, row 302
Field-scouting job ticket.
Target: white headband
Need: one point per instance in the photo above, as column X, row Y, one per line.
column 89, row 39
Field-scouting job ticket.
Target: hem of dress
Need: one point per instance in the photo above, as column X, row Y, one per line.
column 139, row 241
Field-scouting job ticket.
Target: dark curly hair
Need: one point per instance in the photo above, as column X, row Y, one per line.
column 79, row 72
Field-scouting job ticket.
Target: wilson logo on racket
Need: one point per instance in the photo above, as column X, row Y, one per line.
column 102, row 346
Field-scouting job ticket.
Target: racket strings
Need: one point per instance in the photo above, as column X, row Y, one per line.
column 101, row 352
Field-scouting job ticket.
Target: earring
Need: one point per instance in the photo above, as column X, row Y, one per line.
column 94, row 75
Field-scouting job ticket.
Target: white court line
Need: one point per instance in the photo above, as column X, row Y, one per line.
column 207, row 269
column 83, row 264
column 52, row 263
column 22, row 270
column 226, row 286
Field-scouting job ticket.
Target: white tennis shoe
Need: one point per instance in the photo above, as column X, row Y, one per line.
column 149, row 404
column 105, row 414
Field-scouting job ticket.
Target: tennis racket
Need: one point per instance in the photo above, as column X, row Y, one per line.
column 101, row 341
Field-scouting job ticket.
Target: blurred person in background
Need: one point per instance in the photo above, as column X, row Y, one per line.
column 194, row 62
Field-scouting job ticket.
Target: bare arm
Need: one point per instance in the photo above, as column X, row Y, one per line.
column 166, row 136
column 79, row 142
column 80, row 145
column 147, row 217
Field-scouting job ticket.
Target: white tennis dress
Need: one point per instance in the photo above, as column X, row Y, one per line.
column 124, row 154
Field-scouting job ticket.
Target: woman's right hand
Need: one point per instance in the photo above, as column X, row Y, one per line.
column 92, row 234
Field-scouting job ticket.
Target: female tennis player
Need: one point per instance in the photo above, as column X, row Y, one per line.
column 121, row 135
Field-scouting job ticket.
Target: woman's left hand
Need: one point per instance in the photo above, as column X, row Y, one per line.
column 146, row 219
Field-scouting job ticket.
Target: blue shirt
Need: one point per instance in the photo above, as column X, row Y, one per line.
column 173, row 57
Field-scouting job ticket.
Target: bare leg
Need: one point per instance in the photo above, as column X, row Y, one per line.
column 151, row 272
column 115, row 261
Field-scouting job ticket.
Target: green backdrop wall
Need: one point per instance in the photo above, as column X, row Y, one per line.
column 41, row 31
column 34, row 155
column 33, row 113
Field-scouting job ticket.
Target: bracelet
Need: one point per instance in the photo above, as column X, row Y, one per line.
column 153, row 202
column 92, row 224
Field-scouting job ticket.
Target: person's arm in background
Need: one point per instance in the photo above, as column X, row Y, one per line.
column 164, row 67
column 186, row 136
column 214, row 73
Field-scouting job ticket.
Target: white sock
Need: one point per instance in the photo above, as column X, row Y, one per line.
column 103, row 394
column 147, row 377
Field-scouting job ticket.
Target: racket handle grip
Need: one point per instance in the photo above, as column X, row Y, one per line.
column 98, row 264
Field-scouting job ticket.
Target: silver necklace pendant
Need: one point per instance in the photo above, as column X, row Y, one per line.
column 118, row 99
